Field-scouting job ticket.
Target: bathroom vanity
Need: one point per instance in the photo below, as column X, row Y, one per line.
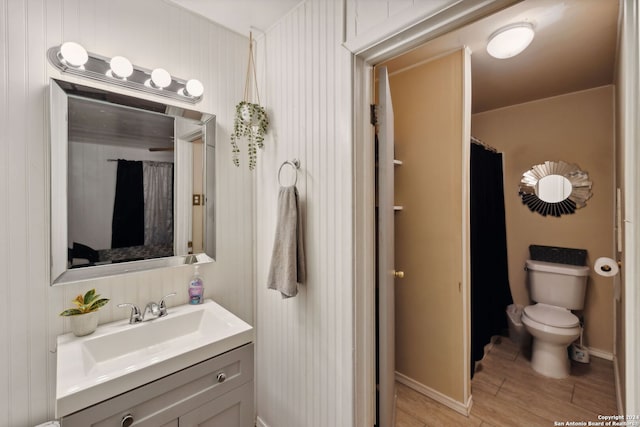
column 192, row 367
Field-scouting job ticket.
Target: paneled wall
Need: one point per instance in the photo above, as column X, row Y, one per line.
column 304, row 373
column 151, row 34
column 382, row 18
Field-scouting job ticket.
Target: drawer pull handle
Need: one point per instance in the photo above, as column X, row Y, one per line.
column 221, row 377
column 127, row 420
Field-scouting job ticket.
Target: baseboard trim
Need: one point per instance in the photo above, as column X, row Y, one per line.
column 260, row 423
column 447, row 401
column 616, row 377
column 601, row 354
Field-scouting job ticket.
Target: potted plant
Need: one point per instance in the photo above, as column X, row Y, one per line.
column 84, row 316
column 250, row 120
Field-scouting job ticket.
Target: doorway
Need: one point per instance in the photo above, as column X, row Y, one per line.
column 362, row 65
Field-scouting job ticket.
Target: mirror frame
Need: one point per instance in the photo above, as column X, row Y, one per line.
column 58, row 225
column 580, row 184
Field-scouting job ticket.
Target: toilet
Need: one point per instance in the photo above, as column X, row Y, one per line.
column 556, row 289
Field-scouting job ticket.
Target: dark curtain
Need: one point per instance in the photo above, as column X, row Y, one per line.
column 127, row 227
column 490, row 292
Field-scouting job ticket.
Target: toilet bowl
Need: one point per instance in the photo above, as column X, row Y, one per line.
column 556, row 289
column 553, row 329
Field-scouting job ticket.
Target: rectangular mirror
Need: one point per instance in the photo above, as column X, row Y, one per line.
column 132, row 184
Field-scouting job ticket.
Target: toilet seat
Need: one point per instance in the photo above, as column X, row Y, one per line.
column 549, row 315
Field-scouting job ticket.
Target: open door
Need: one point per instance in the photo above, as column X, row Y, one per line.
column 386, row 273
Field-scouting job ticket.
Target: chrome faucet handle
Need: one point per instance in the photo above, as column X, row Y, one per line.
column 163, row 305
column 136, row 315
column 153, row 308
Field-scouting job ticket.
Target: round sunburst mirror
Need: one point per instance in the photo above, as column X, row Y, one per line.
column 555, row 188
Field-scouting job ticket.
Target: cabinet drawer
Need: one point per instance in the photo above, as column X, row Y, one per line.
column 166, row 399
column 234, row 409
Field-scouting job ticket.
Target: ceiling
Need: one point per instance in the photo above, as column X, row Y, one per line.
column 97, row 122
column 240, row 16
column 574, row 47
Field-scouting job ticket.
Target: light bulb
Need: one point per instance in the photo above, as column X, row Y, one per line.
column 73, row 54
column 160, row 78
column 194, row 88
column 121, row 67
column 510, row 40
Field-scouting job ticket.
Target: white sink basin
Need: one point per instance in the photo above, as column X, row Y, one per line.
column 119, row 357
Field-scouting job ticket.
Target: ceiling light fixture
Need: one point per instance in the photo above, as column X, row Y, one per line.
column 510, row 40
column 72, row 58
column 73, row 54
column 121, row 67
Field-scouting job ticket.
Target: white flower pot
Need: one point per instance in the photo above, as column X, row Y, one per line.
column 245, row 115
column 84, row 324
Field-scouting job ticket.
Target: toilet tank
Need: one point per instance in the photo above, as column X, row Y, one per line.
column 562, row 285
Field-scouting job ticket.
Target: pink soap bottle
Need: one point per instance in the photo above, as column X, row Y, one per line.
column 196, row 288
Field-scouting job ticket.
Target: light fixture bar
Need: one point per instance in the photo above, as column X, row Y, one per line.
column 98, row 68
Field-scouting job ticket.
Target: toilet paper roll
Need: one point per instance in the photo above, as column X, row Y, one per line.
column 605, row 267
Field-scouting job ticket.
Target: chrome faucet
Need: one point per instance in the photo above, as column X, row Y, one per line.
column 136, row 315
column 156, row 310
column 163, row 306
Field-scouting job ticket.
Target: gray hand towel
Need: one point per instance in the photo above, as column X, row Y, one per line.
column 287, row 260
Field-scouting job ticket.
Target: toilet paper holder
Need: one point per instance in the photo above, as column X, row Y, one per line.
column 607, row 268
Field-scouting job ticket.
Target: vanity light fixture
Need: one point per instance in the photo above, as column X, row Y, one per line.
column 72, row 58
column 511, row 40
column 193, row 88
column 160, row 78
column 120, row 68
column 73, row 54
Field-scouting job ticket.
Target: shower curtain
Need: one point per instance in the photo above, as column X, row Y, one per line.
column 127, row 226
column 158, row 203
column 490, row 292
column 143, row 206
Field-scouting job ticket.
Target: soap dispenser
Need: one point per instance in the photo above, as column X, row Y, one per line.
column 196, row 288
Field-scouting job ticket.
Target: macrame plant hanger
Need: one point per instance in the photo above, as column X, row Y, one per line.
column 251, row 69
column 251, row 119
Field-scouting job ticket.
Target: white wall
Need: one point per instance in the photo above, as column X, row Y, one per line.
column 150, row 33
column 304, row 374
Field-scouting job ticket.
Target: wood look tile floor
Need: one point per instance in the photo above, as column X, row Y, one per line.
column 507, row 392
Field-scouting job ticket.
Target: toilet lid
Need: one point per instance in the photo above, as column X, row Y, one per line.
column 552, row 316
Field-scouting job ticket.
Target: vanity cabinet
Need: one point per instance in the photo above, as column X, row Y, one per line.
column 215, row 392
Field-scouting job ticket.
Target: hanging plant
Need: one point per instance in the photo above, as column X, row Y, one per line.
column 251, row 121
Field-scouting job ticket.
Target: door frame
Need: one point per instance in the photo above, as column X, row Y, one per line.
column 629, row 80
column 406, row 36
column 367, row 55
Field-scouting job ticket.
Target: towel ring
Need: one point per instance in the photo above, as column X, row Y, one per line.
column 295, row 164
